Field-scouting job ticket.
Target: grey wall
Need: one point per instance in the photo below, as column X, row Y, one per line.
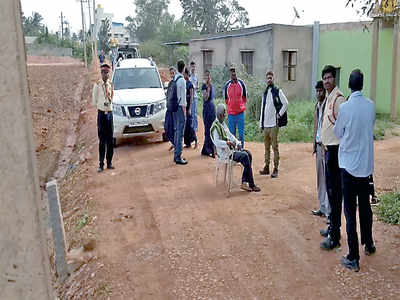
column 47, row 50
column 268, row 55
column 294, row 37
column 24, row 263
column 226, row 50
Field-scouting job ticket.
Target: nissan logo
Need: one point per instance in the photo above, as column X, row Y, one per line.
column 137, row 111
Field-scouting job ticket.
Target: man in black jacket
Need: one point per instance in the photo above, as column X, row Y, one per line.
column 270, row 121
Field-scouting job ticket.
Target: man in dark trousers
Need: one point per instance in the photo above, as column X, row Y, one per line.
column 355, row 129
column 102, row 98
column 334, row 97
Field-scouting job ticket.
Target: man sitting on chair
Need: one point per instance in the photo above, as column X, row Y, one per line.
column 227, row 144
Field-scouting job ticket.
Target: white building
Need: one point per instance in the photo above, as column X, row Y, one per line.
column 119, row 34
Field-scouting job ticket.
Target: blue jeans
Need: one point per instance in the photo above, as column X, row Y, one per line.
column 237, row 121
column 194, row 113
column 179, row 127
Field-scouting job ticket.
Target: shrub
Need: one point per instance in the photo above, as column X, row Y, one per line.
column 389, row 208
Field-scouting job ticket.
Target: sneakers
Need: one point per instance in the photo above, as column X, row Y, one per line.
column 328, row 244
column 274, row 173
column 369, row 250
column 110, row 167
column 245, row 187
column 100, row 169
column 318, row 213
column 350, row 264
column 255, row 189
column 324, row 232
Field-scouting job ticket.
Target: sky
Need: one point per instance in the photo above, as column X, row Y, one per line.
column 260, row 11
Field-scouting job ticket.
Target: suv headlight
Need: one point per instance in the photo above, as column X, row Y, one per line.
column 119, row 110
column 159, row 106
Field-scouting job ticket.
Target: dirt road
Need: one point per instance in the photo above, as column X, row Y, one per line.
column 165, row 232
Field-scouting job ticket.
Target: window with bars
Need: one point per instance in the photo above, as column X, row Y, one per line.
column 247, row 60
column 289, row 64
column 207, row 60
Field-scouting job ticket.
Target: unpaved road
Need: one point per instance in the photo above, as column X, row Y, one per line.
column 165, row 231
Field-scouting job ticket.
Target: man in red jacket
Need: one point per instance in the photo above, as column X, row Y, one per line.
column 236, row 97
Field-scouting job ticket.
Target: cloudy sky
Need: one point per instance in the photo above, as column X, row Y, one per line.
column 260, row 11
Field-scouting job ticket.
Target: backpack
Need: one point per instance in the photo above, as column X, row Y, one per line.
column 172, row 95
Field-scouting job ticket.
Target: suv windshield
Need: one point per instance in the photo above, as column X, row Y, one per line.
column 136, row 78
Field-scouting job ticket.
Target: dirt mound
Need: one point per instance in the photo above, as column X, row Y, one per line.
column 53, row 60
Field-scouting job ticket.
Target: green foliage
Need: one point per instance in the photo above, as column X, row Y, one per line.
column 382, row 124
column 148, row 13
column 389, row 208
column 104, row 38
column 210, row 16
column 33, row 25
column 82, row 221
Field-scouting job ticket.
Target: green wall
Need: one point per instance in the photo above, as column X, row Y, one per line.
column 352, row 49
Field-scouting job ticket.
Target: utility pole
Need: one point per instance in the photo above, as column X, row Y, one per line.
column 90, row 26
column 94, row 28
column 84, row 34
column 62, row 26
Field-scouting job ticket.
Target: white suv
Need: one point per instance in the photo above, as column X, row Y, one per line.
column 139, row 102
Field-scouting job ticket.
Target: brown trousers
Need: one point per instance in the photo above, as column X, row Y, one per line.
column 271, row 139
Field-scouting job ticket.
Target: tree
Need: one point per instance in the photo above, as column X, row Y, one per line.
column 365, row 7
column 33, row 25
column 210, row 16
column 104, row 35
column 148, row 15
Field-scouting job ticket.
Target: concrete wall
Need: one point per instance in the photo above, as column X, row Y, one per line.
column 226, row 50
column 24, row 263
column 294, row 37
column 348, row 46
column 267, row 42
column 47, row 50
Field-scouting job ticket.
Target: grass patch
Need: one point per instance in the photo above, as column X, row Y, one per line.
column 82, row 222
column 389, row 208
column 300, row 123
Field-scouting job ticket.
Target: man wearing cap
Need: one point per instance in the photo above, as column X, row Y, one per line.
column 318, row 150
column 103, row 92
column 236, row 98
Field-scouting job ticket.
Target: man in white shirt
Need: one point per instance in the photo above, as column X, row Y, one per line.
column 102, row 98
column 195, row 81
column 273, row 108
column 179, row 115
column 227, row 144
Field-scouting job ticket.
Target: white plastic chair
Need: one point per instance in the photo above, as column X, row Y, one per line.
column 227, row 164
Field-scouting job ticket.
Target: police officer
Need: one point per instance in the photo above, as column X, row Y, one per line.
column 102, row 98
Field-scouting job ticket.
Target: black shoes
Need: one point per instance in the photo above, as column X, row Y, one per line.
column 328, row 244
column 369, row 250
column 324, row 232
column 350, row 264
column 318, row 213
column 181, row 162
column 264, row 171
column 274, row 173
column 111, row 167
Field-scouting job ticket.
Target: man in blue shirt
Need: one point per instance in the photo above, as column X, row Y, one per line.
column 355, row 129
